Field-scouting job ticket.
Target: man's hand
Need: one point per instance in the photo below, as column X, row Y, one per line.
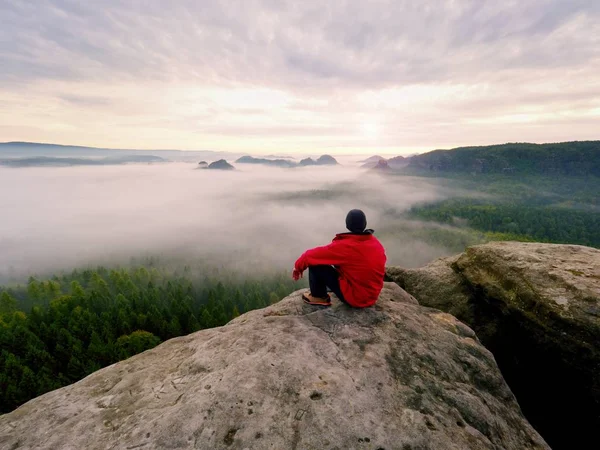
column 296, row 274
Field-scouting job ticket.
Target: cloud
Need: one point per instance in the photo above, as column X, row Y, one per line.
column 61, row 218
column 86, row 100
column 201, row 67
column 284, row 43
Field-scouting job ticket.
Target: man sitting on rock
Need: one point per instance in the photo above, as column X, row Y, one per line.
column 352, row 266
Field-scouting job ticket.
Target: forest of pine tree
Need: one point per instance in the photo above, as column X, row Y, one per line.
column 56, row 331
column 518, row 222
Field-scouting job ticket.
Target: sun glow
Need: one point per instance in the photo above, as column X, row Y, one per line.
column 370, row 129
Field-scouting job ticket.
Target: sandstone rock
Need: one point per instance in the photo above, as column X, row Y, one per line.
column 292, row 376
column 537, row 307
column 436, row 285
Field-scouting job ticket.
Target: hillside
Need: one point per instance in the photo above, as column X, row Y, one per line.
column 292, row 376
column 577, row 158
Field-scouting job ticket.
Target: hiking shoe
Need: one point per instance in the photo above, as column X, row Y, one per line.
column 318, row 301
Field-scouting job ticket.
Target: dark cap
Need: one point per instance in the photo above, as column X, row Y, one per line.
column 356, row 221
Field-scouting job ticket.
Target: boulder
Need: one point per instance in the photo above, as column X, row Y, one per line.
column 436, row 285
column 292, row 376
column 537, row 308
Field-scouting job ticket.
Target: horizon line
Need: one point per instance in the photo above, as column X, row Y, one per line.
column 284, row 153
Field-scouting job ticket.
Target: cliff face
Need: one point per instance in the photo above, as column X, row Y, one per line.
column 537, row 308
column 292, row 376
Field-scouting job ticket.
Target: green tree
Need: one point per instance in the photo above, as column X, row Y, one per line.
column 135, row 343
column 7, row 304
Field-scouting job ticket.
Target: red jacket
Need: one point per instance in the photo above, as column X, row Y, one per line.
column 360, row 260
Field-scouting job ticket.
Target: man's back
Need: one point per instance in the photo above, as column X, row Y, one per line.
column 361, row 275
column 352, row 266
column 360, row 260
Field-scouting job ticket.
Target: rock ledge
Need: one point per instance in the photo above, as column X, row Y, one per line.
column 292, row 376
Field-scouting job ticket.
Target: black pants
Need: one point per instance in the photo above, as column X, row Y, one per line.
column 322, row 277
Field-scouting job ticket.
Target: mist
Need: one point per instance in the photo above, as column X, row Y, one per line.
column 250, row 219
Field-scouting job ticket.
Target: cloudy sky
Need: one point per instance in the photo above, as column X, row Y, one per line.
column 299, row 76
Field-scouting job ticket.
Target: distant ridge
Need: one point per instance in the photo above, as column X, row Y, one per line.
column 574, row 158
column 45, row 161
column 323, row 160
column 265, row 161
column 17, row 149
column 24, row 144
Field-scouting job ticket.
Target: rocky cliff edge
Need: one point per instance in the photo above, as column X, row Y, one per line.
column 537, row 308
column 292, row 376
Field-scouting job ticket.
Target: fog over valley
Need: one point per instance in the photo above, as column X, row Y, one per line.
column 251, row 218
column 172, row 176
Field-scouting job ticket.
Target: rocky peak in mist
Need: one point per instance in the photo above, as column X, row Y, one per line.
column 396, row 375
column 396, row 162
column 372, row 159
column 324, row 160
column 221, row 164
column 382, row 166
column 373, row 163
column 307, row 162
column 537, row 308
